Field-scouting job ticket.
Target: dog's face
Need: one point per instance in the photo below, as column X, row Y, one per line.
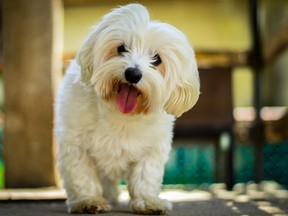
column 138, row 65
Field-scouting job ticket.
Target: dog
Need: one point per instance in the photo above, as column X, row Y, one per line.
column 116, row 108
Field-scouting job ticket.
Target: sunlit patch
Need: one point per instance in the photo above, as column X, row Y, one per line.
column 269, row 208
column 242, row 198
column 182, row 196
column 175, row 196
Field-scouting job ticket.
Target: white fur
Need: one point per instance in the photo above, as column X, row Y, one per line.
column 99, row 145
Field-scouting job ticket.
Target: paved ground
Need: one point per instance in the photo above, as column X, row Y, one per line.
column 251, row 200
column 213, row 207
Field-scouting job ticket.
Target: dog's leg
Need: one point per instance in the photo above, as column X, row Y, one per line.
column 83, row 187
column 110, row 189
column 144, row 184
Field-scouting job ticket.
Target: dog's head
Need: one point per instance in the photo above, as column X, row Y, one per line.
column 138, row 65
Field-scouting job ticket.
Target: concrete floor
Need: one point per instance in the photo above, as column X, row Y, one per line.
column 213, row 207
column 252, row 199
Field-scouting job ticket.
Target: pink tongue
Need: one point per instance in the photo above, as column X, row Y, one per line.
column 127, row 98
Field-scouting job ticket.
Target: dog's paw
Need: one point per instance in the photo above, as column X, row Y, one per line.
column 151, row 206
column 91, row 206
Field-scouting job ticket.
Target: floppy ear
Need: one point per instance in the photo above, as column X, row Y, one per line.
column 85, row 56
column 183, row 98
column 93, row 50
column 187, row 87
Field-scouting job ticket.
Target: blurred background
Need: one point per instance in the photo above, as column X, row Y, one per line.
column 238, row 131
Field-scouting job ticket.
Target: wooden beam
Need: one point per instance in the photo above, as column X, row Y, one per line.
column 85, row 3
column 277, row 45
column 222, row 58
column 32, row 66
column 205, row 58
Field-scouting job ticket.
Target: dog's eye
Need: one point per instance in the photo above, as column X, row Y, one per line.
column 121, row 49
column 156, row 60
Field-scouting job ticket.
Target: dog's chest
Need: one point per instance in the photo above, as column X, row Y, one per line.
column 115, row 160
column 115, row 146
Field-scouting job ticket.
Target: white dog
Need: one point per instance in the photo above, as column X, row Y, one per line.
column 115, row 110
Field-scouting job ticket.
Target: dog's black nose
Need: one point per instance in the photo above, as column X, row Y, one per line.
column 133, row 75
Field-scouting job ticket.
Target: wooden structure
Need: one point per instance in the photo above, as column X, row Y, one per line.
column 32, row 65
column 212, row 117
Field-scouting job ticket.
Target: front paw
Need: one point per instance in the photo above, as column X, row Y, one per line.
column 90, row 206
column 151, row 206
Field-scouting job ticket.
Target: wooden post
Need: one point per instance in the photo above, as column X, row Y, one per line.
column 32, row 65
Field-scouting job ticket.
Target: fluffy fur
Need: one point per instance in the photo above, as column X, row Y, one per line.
column 99, row 143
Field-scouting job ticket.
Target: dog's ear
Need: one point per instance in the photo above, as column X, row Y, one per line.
column 85, row 55
column 183, row 98
column 186, row 90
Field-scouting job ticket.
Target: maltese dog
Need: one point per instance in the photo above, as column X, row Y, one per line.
column 116, row 109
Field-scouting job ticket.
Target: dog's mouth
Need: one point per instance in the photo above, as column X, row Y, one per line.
column 127, row 98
